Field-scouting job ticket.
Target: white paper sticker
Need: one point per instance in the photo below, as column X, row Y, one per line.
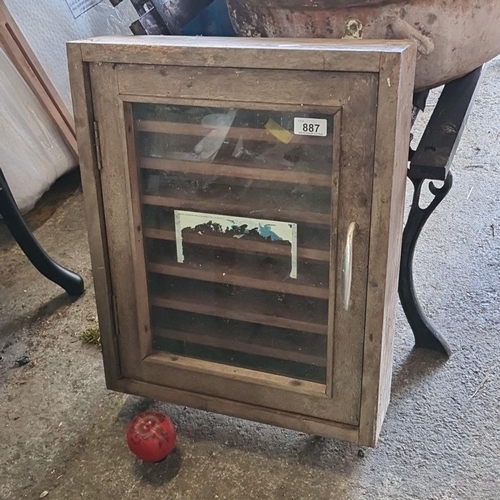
column 270, row 230
column 79, row 7
column 310, row 126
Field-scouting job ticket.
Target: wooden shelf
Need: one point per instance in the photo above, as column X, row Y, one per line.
column 242, row 201
column 238, row 172
column 239, row 308
column 270, row 276
column 217, row 206
column 246, row 133
column 183, row 271
column 277, row 351
column 242, row 245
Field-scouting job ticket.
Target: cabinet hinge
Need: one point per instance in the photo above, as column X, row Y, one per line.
column 115, row 315
column 97, row 138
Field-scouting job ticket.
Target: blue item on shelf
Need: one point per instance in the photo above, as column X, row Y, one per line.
column 212, row 21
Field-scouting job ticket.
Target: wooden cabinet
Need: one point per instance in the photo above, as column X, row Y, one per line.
column 244, row 202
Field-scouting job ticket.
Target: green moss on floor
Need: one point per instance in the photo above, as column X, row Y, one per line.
column 91, row 336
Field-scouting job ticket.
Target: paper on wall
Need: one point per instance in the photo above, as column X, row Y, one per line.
column 79, row 7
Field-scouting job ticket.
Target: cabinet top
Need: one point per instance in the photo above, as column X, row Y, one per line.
column 280, row 53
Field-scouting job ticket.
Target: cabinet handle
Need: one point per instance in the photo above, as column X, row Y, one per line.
column 347, row 264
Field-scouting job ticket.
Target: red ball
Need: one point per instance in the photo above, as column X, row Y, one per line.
column 151, row 436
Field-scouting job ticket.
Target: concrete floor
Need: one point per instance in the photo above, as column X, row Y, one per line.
column 63, row 432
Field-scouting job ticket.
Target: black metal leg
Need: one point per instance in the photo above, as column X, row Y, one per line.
column 71, row 282
column 425, row 334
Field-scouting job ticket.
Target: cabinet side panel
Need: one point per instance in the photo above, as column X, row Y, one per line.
column 91, row 182
column 393, row 132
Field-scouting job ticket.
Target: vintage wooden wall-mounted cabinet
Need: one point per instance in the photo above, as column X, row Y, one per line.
column 244, row 201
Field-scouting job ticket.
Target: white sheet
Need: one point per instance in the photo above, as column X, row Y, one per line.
column 33, row 154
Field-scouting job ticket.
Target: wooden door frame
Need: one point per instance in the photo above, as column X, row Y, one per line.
column 126, row 261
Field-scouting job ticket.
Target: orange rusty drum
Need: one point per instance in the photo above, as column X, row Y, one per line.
column 453, row 36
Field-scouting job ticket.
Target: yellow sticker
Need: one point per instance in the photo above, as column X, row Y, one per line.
column 278, row 131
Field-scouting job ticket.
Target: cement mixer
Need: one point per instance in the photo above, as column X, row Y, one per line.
column 453, row 36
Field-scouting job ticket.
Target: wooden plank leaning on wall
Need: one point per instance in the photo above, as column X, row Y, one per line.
column 19, row 52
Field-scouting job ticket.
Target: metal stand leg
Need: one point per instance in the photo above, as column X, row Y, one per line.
column 432, row 160
column 71, row 282
column 425, row 334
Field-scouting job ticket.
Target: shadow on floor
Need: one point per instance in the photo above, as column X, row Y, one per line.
column 44, row 311
column 158, row 474
column 418, row 365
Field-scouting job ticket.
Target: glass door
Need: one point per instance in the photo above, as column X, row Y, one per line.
column 236, row 209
